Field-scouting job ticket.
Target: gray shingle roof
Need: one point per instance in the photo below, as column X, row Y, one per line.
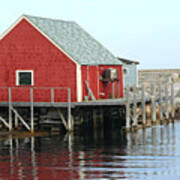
column 76, row 42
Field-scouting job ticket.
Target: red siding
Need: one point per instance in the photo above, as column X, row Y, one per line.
column 93, row 74
column 25, row 48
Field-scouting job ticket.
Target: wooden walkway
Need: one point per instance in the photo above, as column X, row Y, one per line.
column 133, row 98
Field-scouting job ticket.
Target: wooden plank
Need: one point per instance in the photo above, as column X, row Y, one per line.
column 4, row 122
column 63, row 119
column 90, row 91
column 21, row 119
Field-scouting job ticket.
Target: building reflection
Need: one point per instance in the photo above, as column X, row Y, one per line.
column 90, row 155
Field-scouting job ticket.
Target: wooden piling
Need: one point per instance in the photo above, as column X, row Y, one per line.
column 143, row 103
column 32, row 110
column 167, row 102
column 128, row 125
column 172, row 102
column 153, row 104
column 70, row 123
column 135, row 122
column 160, row 104
column 10, row 107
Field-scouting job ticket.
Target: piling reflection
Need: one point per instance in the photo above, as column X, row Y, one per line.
column 146, row 154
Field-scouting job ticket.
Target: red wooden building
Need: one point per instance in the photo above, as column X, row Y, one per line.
column 40, row 52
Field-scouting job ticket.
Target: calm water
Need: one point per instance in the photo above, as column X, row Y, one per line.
column 152, row 154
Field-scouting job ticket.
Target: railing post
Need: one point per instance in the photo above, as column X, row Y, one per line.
column 135, row 119
column 167, row 101
column 172, row 101
column 160, row 103
column 52, row 95
column 143, row 103
column 128, row 124
column 70, row 123
column 153, row 104
column 32, row 110
column 10, row 106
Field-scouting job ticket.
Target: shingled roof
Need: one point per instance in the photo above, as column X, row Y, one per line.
column 75, row 41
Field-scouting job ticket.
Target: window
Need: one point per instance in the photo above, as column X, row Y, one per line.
column 24, row 77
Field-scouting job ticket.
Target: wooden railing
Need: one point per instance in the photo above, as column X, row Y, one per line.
column 33, row 95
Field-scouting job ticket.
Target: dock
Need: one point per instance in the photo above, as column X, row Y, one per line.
column 138, row 109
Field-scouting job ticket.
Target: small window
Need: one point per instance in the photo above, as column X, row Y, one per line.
column 24, row 78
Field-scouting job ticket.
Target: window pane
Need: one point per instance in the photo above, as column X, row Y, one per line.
column 25, row 78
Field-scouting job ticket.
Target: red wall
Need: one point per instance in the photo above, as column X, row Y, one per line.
column 24, row 48
column 100, row 90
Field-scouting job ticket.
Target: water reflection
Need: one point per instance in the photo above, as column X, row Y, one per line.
column 147, row 154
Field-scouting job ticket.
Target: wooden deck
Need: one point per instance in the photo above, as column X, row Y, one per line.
column 134, row 99
column 106, row 102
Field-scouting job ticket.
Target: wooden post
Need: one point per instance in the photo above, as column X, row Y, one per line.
column 172, row 101
column 143, row 103
column 32, row 110
column 10, row 112
column 70, row 123
column 52, row 95
column 127, row 110
column 135, row 123
column 167, row 101
column 153, row 104
column 160, row 104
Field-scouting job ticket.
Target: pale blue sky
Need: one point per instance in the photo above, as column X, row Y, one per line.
column 143, row 30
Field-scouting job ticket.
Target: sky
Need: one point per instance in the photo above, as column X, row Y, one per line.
column 147, row 31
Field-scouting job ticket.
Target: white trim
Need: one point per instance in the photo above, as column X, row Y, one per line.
column 79, row 83
column 17, row 76
column 10, row 28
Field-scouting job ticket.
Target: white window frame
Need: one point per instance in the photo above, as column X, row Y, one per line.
column 21, row 71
